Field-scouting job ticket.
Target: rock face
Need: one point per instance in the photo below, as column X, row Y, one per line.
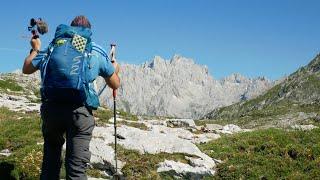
column 179, row 88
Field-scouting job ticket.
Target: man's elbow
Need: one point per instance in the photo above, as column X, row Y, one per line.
column 113, row 82
column 27, row 70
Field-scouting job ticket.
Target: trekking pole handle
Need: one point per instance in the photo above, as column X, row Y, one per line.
column 113, row 59
column 113, row 52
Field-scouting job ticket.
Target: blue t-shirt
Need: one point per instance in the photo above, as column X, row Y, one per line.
column 96, row 65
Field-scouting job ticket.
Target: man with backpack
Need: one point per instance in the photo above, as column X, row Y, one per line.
column 68, row 68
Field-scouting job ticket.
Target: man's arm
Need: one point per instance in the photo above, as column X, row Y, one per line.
column 114, row 81
column 28, row 68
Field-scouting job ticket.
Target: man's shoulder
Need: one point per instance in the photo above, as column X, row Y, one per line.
column 98, row 50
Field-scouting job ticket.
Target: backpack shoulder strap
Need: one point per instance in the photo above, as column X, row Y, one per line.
column 45, row 63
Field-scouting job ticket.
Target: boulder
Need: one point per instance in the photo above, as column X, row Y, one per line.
column 183, row 123
column 182, row 170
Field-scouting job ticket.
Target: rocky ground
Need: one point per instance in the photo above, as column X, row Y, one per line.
column 162, row 136
column 152, row 136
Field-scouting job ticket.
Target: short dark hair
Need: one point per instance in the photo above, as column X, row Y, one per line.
column 81, row 21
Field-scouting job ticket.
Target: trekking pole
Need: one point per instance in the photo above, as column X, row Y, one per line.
column 114, row 94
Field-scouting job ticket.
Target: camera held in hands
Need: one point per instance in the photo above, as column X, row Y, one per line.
column 37, row 26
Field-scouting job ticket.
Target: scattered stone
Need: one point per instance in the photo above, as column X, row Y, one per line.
column 204, row 138
column 111, row 120
column 5, row 152
column 204, row 129
column 40, row 143
column 182, row 123
column 231, row 128
column 213, row 127
column 153, row 122
column 198, row 162
column 304, row 127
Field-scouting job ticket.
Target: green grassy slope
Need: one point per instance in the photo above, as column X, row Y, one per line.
column 300, row 92
column 267, row 154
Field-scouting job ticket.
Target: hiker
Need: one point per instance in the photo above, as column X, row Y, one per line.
column 68, row 68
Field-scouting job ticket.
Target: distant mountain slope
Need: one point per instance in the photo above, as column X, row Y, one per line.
column 295, row 100
column 179, row 88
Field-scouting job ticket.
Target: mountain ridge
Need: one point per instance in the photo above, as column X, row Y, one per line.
column 179, row 88
column 296, row 94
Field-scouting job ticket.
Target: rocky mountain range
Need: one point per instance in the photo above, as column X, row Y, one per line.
column 179, row 88
column 293, row 101
column 173, row 88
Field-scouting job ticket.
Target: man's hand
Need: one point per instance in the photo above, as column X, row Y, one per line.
column 27, row 65
column 116, row 67
column 35, row 44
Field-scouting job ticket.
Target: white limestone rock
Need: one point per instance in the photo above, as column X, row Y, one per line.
column 231, row 128
column 18, row 103
column 183, row 171
column 156, row 140
column 304, row 127
column 186, row 123
column 102, row 156
column 213, row 127
column 179, row 88
column 204, row 138
column 5, row 152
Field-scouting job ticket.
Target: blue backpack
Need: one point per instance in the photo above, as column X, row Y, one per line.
column 63, row 75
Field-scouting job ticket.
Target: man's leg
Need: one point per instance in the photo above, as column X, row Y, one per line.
column 79, row 133
column 53, row 140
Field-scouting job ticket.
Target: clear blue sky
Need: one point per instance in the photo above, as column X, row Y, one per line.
column 253, row 37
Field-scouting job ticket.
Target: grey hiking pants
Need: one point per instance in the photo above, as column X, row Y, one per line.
column 73, row 123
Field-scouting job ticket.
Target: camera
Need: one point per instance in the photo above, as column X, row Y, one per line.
column 37, row 26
